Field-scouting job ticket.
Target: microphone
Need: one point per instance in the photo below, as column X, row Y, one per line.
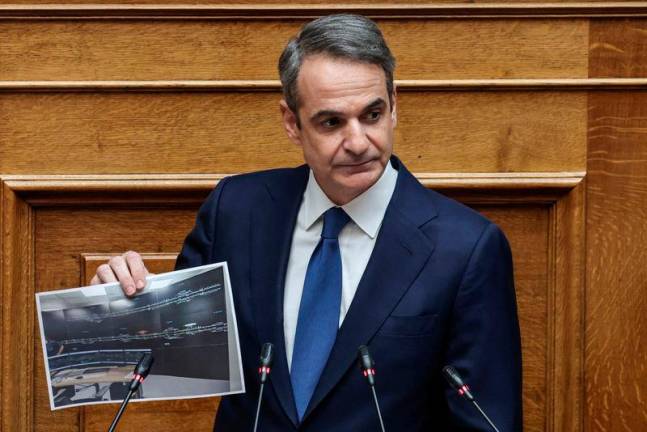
column 141, row 371
column 264, row 369
column 267, row 357
column 367, row 365
column 139, row 375
column 455, row 380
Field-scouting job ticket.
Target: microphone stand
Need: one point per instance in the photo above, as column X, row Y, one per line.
column 140, row 373
column 367, row 365
column 264, row 369
column 122, row 408
column 377, row 407
column 258, row 407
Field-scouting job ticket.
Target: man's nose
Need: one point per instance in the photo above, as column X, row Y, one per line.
column 355, row 140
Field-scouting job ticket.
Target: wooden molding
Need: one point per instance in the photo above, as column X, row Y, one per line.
column 183, row 190
column 561, row 84
column 143, row 86
column 37, row 187
column 69, row 190
column 567, row 278
column 17, row 325
column 303, row 11
column 501, row 181
column 112, row 183
column 575, row 84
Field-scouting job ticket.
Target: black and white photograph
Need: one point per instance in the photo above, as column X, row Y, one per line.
column 94, row 336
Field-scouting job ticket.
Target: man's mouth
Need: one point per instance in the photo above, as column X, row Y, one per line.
column 357, row 164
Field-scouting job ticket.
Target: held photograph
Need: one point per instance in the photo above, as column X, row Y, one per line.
column 94, row 336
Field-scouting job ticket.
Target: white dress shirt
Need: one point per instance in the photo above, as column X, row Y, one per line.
column 356, row 242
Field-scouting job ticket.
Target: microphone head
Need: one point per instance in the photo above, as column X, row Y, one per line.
column 455, row 380
column 267, row 355
column 452, row 377
column 364, row 356
column 366, row 364
column 141, row 371
column 144, row 366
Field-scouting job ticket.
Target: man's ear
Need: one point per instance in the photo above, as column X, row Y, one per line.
column 290, row 123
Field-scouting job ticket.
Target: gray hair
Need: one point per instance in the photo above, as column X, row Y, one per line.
column 346, row 36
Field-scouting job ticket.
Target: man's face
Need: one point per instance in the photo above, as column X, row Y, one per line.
column 347, row 124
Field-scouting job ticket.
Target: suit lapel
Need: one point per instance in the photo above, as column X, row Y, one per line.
column 400, row 252
column 271, row 237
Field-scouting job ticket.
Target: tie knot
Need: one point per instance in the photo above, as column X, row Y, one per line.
column 335, row 219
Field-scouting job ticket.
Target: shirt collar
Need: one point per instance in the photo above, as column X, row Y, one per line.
column 366, row 210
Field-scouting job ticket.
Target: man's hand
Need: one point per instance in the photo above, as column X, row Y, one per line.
column 128, row 269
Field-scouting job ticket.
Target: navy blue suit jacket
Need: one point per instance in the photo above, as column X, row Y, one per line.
column 438, row 289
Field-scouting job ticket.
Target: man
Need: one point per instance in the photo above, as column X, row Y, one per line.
column 351, row 249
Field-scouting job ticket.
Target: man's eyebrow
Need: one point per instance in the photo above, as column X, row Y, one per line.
column 325, row 113
column 378, row 102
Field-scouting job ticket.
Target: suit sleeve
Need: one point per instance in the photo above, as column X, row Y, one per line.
column 484, row 341
column 197, row 249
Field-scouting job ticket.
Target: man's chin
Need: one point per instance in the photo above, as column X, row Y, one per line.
column 369, row 167
column 360, row 180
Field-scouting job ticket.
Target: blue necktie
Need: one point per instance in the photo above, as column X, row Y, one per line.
column 319, row 311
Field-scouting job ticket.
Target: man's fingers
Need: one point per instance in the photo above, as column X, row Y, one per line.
column 137, row 269
column 104, row 275
column 121, row 270
column 127, row 269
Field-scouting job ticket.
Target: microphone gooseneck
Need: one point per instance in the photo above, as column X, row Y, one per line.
column 264, row 369
column 367, row 365
column 456, row 382
column 139, row 375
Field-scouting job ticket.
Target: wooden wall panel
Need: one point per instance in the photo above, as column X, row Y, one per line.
column 616, row 374
column 92, row 230
column 618, row 48
column 616, row 289
column 492, row 132
column 145, row 50
column 244, row 50
column 237, row 132
column 469, row 49
column 616, row 300
column 63, row 234
column 69, row 233
column 526, row 226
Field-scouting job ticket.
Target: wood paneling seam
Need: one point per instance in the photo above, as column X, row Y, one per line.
column 551, row 311
column 3, row 229
column 288, row 11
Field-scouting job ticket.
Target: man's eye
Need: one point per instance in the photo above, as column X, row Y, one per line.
column 373, row 115
column 331, row 122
